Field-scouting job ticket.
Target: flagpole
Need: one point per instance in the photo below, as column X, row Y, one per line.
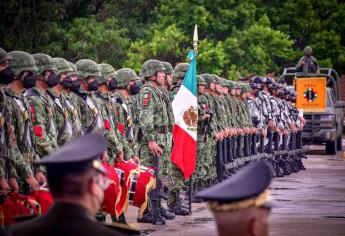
column 195, row 48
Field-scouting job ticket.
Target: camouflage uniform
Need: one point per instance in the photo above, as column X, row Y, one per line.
column 210, row 145
column 40, row 112
column 73, row 112
column 124, row 115
column 108, row 113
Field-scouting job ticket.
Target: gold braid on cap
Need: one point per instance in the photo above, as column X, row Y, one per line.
column 257, row 201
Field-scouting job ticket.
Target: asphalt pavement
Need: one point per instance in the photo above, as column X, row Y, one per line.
column 310, row 202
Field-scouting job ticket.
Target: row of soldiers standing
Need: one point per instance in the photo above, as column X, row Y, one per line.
column 46, row 102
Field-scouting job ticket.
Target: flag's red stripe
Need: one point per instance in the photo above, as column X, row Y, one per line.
column 184, row 151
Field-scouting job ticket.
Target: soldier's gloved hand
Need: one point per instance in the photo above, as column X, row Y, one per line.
column 12, row 182
column 4, row 186
column 155, row 149
column 41, row 179
column 30, row 180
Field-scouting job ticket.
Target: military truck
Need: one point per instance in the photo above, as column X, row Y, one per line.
column 322, row 127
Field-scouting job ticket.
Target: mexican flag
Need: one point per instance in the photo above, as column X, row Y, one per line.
column 185, row 108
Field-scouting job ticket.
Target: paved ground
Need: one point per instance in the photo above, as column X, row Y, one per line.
column 311, row 202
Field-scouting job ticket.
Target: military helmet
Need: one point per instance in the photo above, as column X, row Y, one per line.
column 200, row 80
column 124, row 75
column 107, row 71
column 208, row 79
column 308, row 50
column 4, row 56
column 180, row 70
column 168, row 67
column 230, row 84
column 62, row 65
column 254, row 86
column 44, row 62
column 151, row 67
column 74, row 68
column 245, row 88
column 87, row 68
column 22, row 61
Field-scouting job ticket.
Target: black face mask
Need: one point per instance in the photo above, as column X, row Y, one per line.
column 75, row 86
column 6, row 76
column 93, row 86
column 67, row 82
column 52, row 80
column 134, row 89
column 112, row 85
column 29, row 81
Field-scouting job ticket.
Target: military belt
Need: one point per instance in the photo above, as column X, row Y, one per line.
column 162, row 129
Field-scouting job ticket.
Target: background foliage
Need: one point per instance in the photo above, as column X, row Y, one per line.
column 249, row 36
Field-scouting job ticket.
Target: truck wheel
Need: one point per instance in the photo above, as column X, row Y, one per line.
column 331, row 147
column 339, row 143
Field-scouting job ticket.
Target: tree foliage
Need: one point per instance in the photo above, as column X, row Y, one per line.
column 235, row 35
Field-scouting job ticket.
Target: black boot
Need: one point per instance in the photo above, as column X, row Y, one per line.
column 175, row 205
column 167, row 214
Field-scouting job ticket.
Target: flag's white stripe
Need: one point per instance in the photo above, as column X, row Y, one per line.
column 182, row 101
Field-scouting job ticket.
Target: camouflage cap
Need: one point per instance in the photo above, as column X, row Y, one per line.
column 124, row 75
column 4, row 56
column 245, row 88
column 200, row 80
column 44, row 62
column 150, row 68
column 168, row 67
column 62, row 65
column 87, row 68
column 180, row 70
column 237, row 85
column 107, row 71
column 308, row 50
column 216, row 79
column 22, row 61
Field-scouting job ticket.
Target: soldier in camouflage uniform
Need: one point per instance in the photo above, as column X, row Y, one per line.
column 67, row 75
column 91, row 116
column 126, row 87
column 213, row 134
column 179, row 72
column 115, row 147
column 20, row 133
column 153, row 118
column 204, row 128
column 49, row 74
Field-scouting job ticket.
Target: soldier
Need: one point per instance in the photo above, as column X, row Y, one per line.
column 307, row 63
column 204, row 129
column 240, row 209
column 179, row 72
column 91, row 116
column 213, row 134
column 49, row 74
column 153, row 118
column 77, row 181
column 67, row 75
column 126, row 86
column 115, row 148
column 39, row 110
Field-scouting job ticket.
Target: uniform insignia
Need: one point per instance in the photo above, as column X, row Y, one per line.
column 38, row 131
column 145, row 102
column 107, row 124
